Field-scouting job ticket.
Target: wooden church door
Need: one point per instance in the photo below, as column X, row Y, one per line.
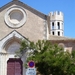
column 14, row 67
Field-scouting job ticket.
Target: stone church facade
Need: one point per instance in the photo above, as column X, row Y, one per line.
column 20, row 21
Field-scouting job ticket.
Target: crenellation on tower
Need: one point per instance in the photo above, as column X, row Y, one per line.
column 51, row 13
column 56, row 15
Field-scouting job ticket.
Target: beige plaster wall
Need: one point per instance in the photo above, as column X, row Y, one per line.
column 33, row 29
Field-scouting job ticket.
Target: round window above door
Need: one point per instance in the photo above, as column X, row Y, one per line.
column 15, row 17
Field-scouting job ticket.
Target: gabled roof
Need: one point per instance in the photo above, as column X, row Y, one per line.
column 14, row 32
column 25, row 6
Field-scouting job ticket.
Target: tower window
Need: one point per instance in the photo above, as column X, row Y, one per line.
column 52, row 25
column 58, row 33
column 53, row 33
column 58, row 23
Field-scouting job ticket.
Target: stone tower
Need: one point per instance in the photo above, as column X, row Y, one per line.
column 56, row 23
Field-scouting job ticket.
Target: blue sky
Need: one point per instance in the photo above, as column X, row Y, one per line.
column 46, row 6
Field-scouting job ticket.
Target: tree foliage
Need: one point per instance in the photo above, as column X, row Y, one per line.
column 50, row 58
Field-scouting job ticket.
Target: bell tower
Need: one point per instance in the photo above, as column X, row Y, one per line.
column 56, row 23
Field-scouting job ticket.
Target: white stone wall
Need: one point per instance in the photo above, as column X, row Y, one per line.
column 3, row 67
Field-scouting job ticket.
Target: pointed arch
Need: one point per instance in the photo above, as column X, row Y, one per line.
column 12, row 43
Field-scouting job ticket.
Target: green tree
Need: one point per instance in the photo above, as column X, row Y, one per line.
column 50, row 58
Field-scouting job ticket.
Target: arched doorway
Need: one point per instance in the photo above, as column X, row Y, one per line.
column 14, row 66
column 9, row 61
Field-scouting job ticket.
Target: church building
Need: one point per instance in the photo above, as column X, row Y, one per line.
column 20, row 21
